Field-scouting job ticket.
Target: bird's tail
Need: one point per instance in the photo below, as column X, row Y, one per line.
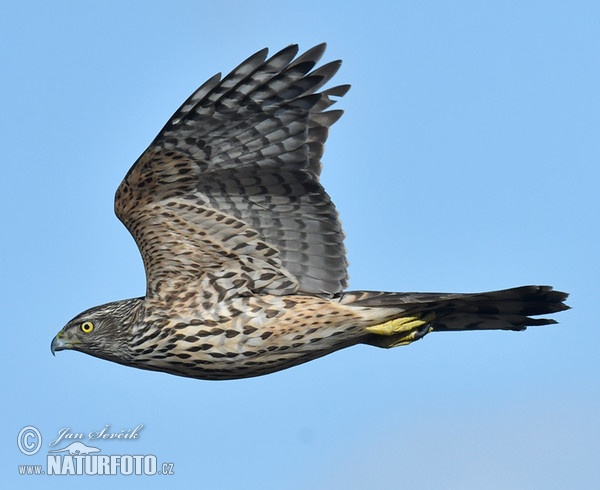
column 417, row 314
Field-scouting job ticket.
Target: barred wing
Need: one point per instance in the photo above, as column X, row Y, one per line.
column 230, row 186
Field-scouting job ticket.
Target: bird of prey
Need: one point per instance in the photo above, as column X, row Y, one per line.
column 243, row 249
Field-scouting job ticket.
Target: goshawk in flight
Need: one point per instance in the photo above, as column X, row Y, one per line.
column 243, row 248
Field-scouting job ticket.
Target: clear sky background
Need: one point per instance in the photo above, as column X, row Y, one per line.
column 467, row 160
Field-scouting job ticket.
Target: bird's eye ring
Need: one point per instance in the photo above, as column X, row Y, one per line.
column 86, row 327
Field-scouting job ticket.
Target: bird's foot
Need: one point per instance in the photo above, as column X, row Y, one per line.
column 402, row 331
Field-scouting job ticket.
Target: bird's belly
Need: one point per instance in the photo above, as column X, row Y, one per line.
column 259, row 339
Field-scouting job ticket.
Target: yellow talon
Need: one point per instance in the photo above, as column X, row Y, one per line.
column 401, row 325
column 401, row 331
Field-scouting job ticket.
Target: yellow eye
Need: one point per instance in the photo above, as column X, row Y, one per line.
column 86, row 327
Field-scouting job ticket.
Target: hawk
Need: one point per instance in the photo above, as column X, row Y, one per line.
column 243, row 250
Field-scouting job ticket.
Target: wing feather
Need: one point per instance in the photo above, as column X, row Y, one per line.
column 247, row 148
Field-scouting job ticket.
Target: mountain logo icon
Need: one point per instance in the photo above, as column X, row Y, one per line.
column 77, row 448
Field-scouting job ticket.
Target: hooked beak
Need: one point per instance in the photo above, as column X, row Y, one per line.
column 58, row 344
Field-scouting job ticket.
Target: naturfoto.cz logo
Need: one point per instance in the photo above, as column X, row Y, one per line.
column 75, row 457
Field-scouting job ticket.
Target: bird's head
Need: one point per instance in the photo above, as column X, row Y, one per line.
column 102, row 331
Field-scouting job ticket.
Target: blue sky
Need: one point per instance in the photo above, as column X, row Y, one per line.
column 467, row 160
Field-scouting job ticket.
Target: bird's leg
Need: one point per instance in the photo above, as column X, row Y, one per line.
column 401, row 331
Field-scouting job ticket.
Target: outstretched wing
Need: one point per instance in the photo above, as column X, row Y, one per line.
column 227, row 197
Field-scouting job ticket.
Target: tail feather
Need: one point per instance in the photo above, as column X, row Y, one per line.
column 507, row 309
